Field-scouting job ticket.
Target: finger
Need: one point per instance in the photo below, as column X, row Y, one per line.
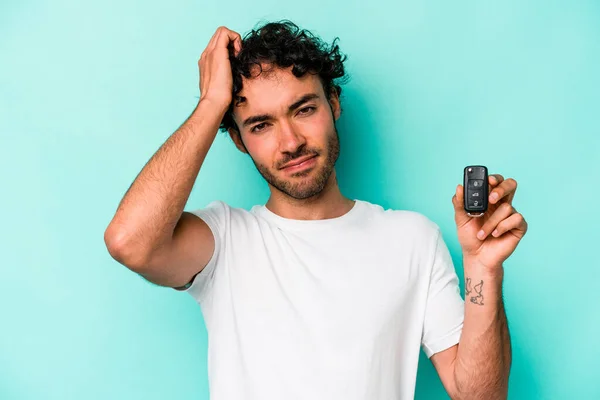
column 495, row 179
column 209, row 46
column 506, row 189
column 501, row 213
column 460, row 214
column 229, row 36
column 515, row 223
column 237, row 43
column 213, row 40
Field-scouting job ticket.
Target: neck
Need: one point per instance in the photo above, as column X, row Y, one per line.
column 329, row 203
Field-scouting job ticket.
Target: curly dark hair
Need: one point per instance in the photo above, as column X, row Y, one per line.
column 283, row 44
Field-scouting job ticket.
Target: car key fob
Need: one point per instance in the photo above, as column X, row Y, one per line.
column 475, row 185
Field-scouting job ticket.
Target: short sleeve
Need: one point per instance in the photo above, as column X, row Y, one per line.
column 444, row 310
column 216, row 215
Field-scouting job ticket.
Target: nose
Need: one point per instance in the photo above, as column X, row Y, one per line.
column 290, row 139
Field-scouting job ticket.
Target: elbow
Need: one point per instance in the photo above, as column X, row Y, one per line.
column 122, row 250
column 493, row 391
column 483, row 384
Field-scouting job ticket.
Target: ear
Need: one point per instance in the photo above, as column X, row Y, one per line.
column 237, row 140
column 334, row 101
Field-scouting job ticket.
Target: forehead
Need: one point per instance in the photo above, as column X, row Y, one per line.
column 274, row 90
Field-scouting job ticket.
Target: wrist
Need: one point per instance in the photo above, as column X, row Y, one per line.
column 207, row 113
column 473, row 265
column 218, row 106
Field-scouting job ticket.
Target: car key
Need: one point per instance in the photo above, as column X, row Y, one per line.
column 475, row 185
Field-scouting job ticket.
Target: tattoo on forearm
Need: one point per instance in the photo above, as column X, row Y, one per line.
column 478, row 289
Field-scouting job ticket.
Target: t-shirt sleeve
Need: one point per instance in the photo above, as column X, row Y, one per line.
column 217, row 216
column 444, row 310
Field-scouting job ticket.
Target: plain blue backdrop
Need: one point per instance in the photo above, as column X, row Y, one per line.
column 90, row 90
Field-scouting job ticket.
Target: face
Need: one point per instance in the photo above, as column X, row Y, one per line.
column 284, row 119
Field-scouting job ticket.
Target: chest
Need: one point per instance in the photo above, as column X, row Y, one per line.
column 350, row 286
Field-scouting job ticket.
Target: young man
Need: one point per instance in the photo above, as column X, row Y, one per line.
column 313, row 295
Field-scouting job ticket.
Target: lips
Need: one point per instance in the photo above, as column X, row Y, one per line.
column 297, row 161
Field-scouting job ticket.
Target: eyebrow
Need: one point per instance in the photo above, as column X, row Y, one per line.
column 292, row 107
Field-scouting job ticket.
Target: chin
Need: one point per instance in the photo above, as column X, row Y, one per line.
column 302, row 187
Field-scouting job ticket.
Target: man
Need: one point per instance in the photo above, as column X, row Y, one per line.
column 313, row 295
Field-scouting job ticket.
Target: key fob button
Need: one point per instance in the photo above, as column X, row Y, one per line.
column 474, row 202
column 475, row 184
column 475, row 198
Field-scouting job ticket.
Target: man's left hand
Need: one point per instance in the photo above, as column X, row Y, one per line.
column 503, row 227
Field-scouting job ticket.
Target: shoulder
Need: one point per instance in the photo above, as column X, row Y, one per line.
column 223, row 214
column 220, row 206
column 410, row 221
column 233, row 216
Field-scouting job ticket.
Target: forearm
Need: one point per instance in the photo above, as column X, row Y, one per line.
column 150, row 210
column 483, row 360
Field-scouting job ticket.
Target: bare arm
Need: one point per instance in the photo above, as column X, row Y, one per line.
column 152, row 208
column 479, row 366
column 483, row 358
column 150, row 233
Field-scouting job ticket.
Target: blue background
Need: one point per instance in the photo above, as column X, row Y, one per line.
column 90, row 90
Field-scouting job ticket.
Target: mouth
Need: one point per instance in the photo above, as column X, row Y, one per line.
column 300, row 164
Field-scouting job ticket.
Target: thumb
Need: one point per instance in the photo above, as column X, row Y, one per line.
column 460, row 215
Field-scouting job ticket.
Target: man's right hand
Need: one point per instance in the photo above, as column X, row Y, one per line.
column 216, row 83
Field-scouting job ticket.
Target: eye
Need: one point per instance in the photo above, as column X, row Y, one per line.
column 310, row 108
column 256, row 127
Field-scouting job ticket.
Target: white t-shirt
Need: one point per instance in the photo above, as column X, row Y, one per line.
column 333, row 309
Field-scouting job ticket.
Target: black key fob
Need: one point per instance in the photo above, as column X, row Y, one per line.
column 476, row 190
